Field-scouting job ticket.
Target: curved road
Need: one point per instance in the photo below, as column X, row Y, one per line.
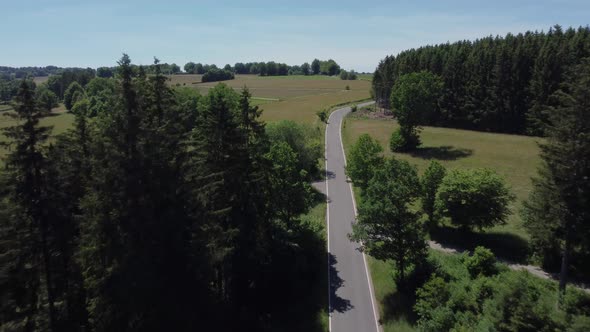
column 351, row 302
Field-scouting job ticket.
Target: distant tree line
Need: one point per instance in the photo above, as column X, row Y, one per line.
column 271, row 68
column 160, row 209
column 22, row 72
column 499, row 84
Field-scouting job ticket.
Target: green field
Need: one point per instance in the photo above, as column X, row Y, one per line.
column 514, row 157
column 60, row 121
column 296, row 98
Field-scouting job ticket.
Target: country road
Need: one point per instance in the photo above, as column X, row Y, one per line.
column 352, row 305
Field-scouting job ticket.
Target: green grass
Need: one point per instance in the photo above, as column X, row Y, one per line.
column 514, row 157
column 318, row 215
column 366, row 77
column 60, row 122
column 395, row 309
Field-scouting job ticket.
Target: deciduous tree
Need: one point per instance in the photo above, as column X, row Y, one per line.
column 387, row 228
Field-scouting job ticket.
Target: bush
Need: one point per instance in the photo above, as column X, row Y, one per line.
column 303, row 139
column 474, row 198
column 323, row 115
column 403, row 143
column 354, row 108
column 507, row 301
column 481, row 263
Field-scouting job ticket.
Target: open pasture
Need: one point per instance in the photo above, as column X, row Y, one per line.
column 514, row 157
column 295, row 98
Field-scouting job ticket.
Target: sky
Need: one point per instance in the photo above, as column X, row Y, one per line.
column 356, row 34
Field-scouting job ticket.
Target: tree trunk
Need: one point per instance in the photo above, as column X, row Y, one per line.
column 564, row 264
column 46, row 261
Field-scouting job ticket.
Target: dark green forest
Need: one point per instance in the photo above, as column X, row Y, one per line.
column 498, row 84
column 160, row 210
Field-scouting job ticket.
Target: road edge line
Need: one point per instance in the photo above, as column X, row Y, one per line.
column 328, row 224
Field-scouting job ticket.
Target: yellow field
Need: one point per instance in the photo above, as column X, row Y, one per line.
column 296, row 98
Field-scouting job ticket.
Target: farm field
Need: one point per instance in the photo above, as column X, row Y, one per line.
column 296, row 98
column 514, row 157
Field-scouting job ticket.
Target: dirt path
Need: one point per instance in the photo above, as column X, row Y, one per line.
column 534, row 270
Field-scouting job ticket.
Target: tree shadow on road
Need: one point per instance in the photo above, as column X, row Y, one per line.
column 336, row 302
column 441, row 153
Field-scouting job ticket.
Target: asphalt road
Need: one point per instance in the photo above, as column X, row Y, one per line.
column 351, row 300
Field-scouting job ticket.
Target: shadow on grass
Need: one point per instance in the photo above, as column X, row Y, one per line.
column 441, row 153
column 505, row 245
column 293, row 294
column 399, row 305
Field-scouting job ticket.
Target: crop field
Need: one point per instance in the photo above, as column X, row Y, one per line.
column 296, row 98
column 514, row 157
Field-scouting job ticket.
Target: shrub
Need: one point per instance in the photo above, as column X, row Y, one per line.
column 481, row 263
column 323, row 116
column 402, row 143
column 474, row 198
column 303, row 139
column 354, row 108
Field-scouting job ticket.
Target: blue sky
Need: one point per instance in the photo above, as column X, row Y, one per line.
column 357, row 34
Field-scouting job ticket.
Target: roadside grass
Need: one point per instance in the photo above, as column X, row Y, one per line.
column 514, row 157
column 395, row 307
column 317, row 215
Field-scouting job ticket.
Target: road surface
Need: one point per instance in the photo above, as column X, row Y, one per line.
column 351, row 301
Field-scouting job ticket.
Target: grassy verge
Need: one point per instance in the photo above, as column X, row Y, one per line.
column 317, row 215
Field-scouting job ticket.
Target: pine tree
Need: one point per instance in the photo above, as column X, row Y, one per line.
column 563, row 188
column 26, row 166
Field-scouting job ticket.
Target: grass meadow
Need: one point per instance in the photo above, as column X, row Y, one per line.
column 514, row 157
column 295, row 97
column 59, row 120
